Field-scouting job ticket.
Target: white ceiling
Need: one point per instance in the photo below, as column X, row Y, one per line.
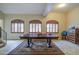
column 53, row 7
column 68, row 7
column 25, row 8
column 34, row 8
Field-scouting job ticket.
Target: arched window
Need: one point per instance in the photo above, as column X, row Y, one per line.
column 35, row 26
column 52, row 26
column 17, row 26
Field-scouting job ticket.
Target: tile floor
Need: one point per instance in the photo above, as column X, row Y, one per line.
column 67, row 47
column 11, row 44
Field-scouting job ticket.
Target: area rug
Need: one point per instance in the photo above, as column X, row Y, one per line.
column 36, row 50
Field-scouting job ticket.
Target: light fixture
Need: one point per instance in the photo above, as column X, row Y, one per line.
column 62, row 5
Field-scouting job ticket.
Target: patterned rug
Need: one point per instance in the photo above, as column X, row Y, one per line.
column 36, row 50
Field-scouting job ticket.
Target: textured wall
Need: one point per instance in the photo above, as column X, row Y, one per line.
column 25, row 18
column 73, row 18
column 51, row 16
column 60, row 17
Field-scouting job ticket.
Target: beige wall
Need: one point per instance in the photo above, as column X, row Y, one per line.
column 1, row 19
column 1, row 22
column 60, row 17
column 1, row 15
column 25, row 18
column 73, row 18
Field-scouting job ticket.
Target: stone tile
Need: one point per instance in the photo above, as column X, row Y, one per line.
column 67, row 47
column 11, row 44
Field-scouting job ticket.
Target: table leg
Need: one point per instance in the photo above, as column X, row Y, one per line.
column 49, row 43
column 47, row 40
column 28, row 42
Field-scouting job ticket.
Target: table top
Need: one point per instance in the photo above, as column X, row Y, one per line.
column 40, row 36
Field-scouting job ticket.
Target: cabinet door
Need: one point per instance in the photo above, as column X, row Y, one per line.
column 77, row 36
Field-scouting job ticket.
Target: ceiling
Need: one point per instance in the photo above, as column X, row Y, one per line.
column 34, row 8
column 28, row 8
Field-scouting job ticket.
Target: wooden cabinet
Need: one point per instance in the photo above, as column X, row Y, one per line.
column 73, row 35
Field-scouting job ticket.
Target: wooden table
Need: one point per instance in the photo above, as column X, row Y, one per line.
column 42, row 36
